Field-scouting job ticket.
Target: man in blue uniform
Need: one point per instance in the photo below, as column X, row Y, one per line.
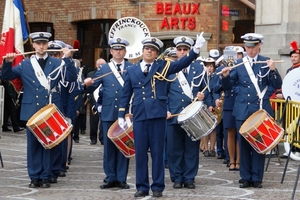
column 115, row 164
column 256, row 83
column 182, row 151
column 40, row 76
column 146, row 81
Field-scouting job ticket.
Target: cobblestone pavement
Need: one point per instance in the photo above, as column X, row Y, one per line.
column 214, row 180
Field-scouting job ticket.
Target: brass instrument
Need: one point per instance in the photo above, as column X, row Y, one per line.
column 218, row 110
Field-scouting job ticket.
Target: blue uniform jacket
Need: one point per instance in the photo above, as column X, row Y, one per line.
column 111, row 91
column 229, row 95
column 247, row 101
column 35, row 96
column 177, row 100
column 148, row 102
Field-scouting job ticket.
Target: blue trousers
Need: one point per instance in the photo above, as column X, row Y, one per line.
column 251, row 163
column 150, row 134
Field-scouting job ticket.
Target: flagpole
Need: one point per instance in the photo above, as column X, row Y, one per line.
column 27, row 24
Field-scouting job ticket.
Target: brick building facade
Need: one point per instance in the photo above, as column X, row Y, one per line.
column 223, row 21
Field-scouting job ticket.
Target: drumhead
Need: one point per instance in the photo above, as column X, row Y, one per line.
column 189, row 111
column 291, row 85
column 253, row 120
column 42, row 114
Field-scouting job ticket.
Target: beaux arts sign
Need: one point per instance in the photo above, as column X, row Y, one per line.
column 185, row 10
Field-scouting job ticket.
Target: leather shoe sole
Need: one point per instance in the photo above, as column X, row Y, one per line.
column 34, row 183
column 53, row 180
column 44, row 184
column 157, row 194
column 141, row 193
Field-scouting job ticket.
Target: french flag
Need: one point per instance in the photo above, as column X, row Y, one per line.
column 14, row 34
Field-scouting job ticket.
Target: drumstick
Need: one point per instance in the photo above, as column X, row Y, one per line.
column 21, row 54
column 234, row 66
column 94, row 79
column 56, row 50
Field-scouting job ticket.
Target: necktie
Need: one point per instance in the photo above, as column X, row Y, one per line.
column 147, row 69
column 119, row 69
column 253, row 63
column 42, row 63
column 185, row 72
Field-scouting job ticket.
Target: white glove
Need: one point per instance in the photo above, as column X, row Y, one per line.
column 99, row 109
column 200, row 41
column 122, row 123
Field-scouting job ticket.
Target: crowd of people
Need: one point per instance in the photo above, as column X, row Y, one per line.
column 155, row 91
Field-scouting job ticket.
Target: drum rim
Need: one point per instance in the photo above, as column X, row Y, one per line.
column 254, row 115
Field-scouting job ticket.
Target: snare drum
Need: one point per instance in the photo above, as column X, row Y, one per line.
column 123, row 139
column 196, row 120
column 261, row 131
column 49, row 126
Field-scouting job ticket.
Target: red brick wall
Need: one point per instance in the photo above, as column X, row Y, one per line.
column 59, row 13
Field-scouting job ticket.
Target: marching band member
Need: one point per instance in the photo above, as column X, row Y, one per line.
column 209, row 81
column 34, row 72
column 256, row 83
column 115, row 164
column 146, row 81
column 182, row 152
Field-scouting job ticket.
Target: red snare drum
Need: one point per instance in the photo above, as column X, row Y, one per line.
column 123, row 139
column 49, row 126
column 261, row 131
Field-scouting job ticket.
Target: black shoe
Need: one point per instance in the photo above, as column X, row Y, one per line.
column 109, row 185
column 52, row 180
column 245, row 184
column 241, row 180
column 62, row 174
column 18, row 129
column 101, row 142
column 257, row 184
column 83, row 132
column 225, row 161
column 5, row 129
column 166, row 166
column 177, row 185
column 93, row 142
column 220, row 157
column 141, row 193
column 123, row 185
column 104, row 180
column 189, row 185
column 157, row 193
column 45, row 183
column 76, row 140
column 34, row 183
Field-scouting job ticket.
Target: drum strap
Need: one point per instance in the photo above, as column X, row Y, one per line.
column 254, row 81
column 39, row 73
column 116, row 73
column 184, row 85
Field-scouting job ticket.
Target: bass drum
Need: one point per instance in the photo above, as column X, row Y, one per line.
column 287, row 145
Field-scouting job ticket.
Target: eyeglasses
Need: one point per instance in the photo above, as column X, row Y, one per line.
column 149, row 48
column 182, row 49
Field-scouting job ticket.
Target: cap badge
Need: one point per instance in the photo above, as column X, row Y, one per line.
column 118, row 39
column 41, row 34
column 153, row 40
column 216, row 53
column 250, row 37
column 183, row 39
column 52, row 45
